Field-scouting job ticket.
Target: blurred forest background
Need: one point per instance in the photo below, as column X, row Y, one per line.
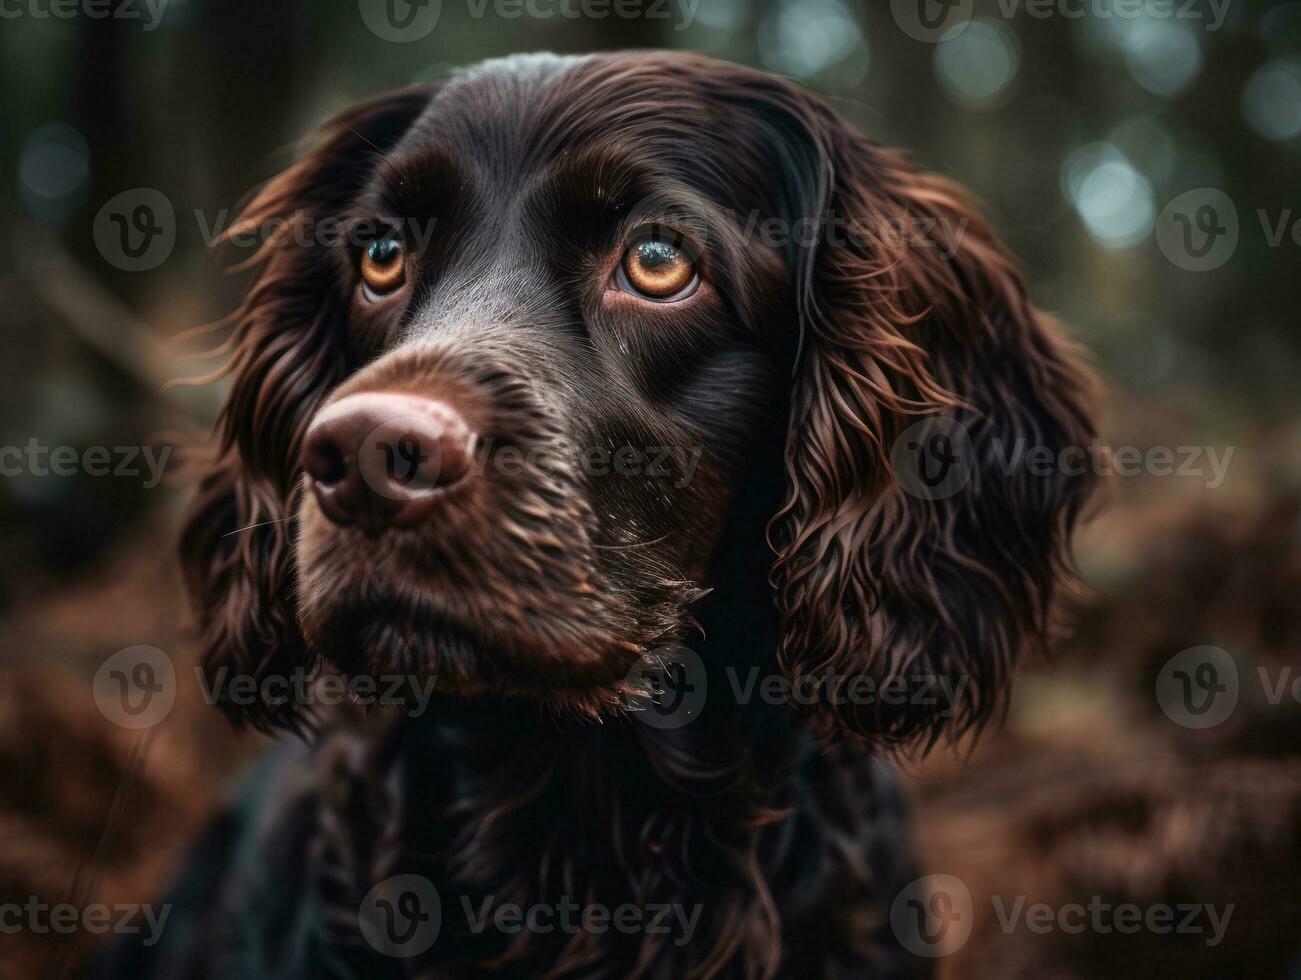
column 1079, row 128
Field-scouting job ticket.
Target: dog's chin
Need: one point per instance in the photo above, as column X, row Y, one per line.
column 395, row 642
column 361, row 642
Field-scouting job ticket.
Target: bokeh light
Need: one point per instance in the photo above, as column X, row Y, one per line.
column 977, row 65
column 1163, row 55
column 1113, row 199
column 723, row 15
column 804, row 38
column 1271, row 100
column 54, row 172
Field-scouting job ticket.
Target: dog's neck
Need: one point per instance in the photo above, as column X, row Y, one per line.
column 501, row 806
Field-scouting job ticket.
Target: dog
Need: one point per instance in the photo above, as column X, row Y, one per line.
column 660, row 421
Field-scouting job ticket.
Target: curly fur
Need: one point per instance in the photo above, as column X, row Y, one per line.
column 527, row 781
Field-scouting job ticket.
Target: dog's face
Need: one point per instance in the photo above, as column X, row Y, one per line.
column 543, row 301
column 493, row 428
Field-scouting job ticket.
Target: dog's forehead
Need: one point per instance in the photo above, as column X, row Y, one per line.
column 517, row 74
column 492, row 114
column 508, row 118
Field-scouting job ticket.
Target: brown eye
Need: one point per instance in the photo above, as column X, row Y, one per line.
column 383, row 267
column 659, row 270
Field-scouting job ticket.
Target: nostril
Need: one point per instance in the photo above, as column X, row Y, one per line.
column 323, row 459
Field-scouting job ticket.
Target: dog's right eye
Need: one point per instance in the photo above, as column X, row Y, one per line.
column 658, row 267
column 383, row 266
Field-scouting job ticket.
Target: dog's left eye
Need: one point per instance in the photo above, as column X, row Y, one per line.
column 383, row 266
column 657, row 268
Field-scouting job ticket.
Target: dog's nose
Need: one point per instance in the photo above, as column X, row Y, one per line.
column 379, row 459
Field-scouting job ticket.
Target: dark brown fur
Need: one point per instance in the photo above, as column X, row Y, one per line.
column 794, row 372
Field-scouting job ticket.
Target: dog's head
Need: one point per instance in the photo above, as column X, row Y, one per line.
column 521, row 345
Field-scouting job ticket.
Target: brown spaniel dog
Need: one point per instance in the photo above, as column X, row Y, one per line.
column 675, row 434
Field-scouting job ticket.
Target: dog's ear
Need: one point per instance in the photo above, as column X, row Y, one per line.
column 290, row 348
column 917, row 550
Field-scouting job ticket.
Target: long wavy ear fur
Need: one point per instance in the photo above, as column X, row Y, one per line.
column 290, row 349
column 911, row 311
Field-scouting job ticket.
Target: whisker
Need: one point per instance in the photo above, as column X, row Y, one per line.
column 635, row 544
column 278, row 520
